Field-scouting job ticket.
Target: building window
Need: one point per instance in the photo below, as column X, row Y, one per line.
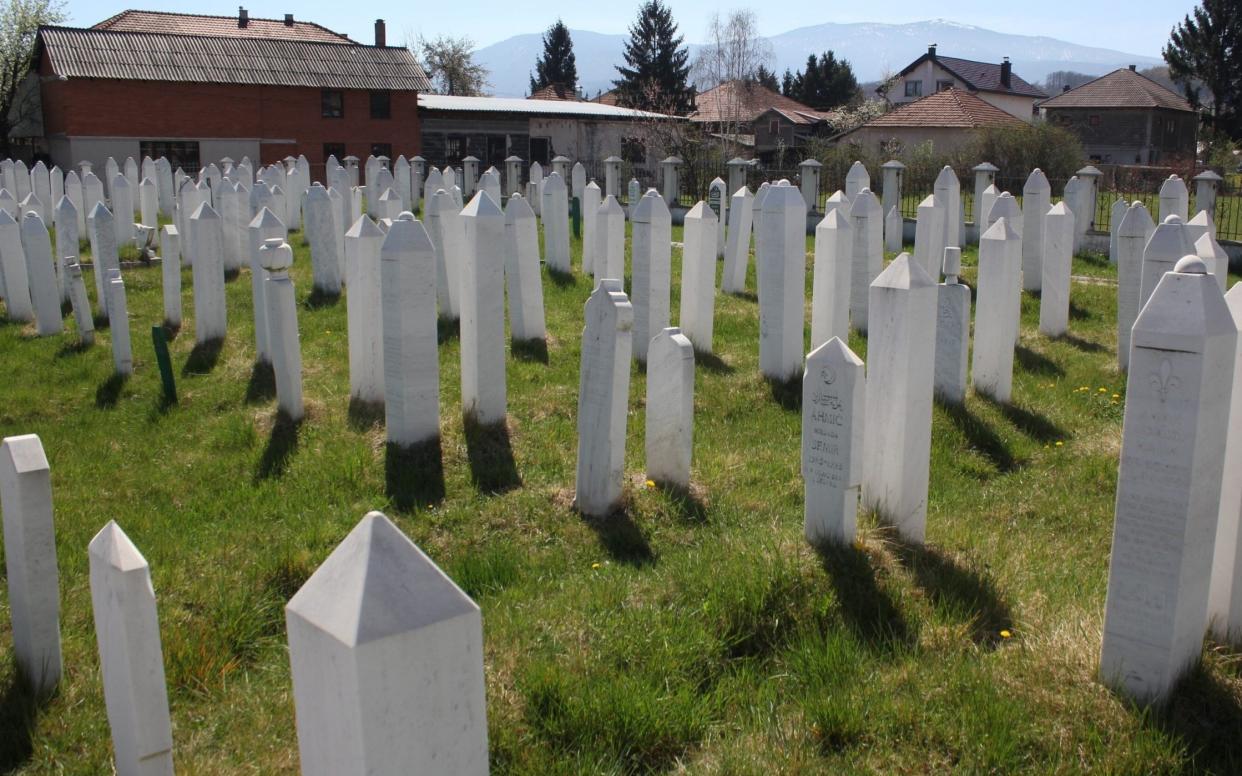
column 381, row 105
column 333, row 104
column 944, row 85
column 179, row 153
column 381, row 149
column 914, row 88
column 334, row 149
column 633, row 151
column 541, row 150
column 1094, row 120
column 774, row 127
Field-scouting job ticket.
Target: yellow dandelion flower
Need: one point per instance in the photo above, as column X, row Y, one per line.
column 1103, row 390
column 1006, row 634
column 1116, row 396
column 594, row 565
column 650, row 483
column 1060, row 443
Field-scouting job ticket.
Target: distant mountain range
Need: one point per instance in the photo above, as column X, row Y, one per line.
column 873, row 49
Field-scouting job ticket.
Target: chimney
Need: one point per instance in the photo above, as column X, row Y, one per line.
column 931, row 51
column 1133, row 68
column 288, row 20
column 1065, row 88
column 381, row 33
column 1006, row 73
column 243, row 17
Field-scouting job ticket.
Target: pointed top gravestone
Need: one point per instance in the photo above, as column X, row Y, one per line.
column 483, row 311
column 651, row 268
column 833, row 399
column 1168, row 243
column 384, row 644
column 603, row 396
column 1174, row 198
column 411, row 362
column 856, row 180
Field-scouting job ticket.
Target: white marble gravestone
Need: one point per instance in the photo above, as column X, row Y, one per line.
column 856, row 179
column 1214, row 256
column 929, row 236
column 737, row 243
column 103, row 251
column 122, row 197
column 718, row 201
column 634, row 193
column 266, row 225
column 589, row 203
column 445, row 227
column 698, row 276
column 609, row 241
column 894, row 224
column 522, row 276
column 81, row 302
column 651, row 269
column 210, row 312
column 1036, row 199
column 1168, row 484
column 1135, row 230
column 952, row 331
column 603, row 398
column 833, row 402
column 17, row 301
column 756, row 222
column 555, row 209
column 830, row 288
column 1058, row 246
column 901, row 345
column 118, row 322
column 41, row 184
column 276, row 257
column 983, row 208
column 483, row 311
column 170, row 274
column 321, row 234
column 30, row 560
column 67, row 242
column 867, row 220
column 411, row 359
column 577, row 180
column 782, row 282
column 948, row 192
column 32, row 204
column 387, row 662
column 670, row 407
column 1225, row 590
column 148, row 197
column 363, row 242
column 1174, row 199
column 1000, row 261
column 1167, row 245
column 41, row 275
column 131, row 659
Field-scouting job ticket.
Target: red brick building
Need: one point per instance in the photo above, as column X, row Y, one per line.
column 200, row 88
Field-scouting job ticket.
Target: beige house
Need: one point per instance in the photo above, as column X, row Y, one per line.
column 947, row 119
column 995, row 84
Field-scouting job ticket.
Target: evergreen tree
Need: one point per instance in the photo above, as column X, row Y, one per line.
column 826, row 83
column 557, row 66
column 767, row 79
column 657, row 64
column 1208, row 48
column 788, row 85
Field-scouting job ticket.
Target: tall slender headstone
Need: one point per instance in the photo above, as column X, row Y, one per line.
column 522, row 276
column 929, row 236
column 170, row 274
column 30, row 560
column 603, row 398
column 670, row 407
column 1168, row 484
column 555, row 223
column 1036, row 199
column 1071, row 195
column 833, row 408
column 1115, row 216
column 590, row 203
column 1132, row 235
column 122, row 209
column 1214, row 256
column 782, row 282
column 118, row 322
column 282, row 326
column 411, row 360
column 868, row 223
column 948, row 193
column 17, row 302
column 1225, row 590
column 651, row 268
column 577, row 179
column 266, row 225
column 82, row 316
column 148, row 196
column 483, row 311
column 894, row 224
column 363, row 242
column 210, row 312
column 737, row 243
column 1000, row 261
column 130, row 656
column 67, row 242
column 320, row 233
column 856, row 179
column 983, row 206
column 610, row 241
column 718, row 201
column 41, row 272
column 698, row 276
column 952, row 331
column 901, row 343
column 1167, row 245
column 387, row 662
column 1058, row 244
column 103, row 251
column 445, row 226
column 830, row 288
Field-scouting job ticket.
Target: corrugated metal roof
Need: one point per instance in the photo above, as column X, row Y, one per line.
column 458, row 104
column 1122, row 88
column 227, row 26
column 144, row 56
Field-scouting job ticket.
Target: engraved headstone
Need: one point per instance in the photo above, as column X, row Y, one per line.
column 522, row 276
column 321, row 234
column 1000, row 261
column 1132, row 235
column 483, row 311
column 210, row 313
column 590, row 203
column 103, row 251
column 609, row 240
column 118, row 323
column 833, row 401
column 867, row 221
column 282, row 326
column 718, row 201
column 1058, row 244
column 952, row 331
column 782, row 282
column 651, row 269
column 603, row 398
column 830, row 288
column 364, row 315
column 670, row 408
column 737, row 243
column 411, row 360
column 41, row 274
column 698, row 276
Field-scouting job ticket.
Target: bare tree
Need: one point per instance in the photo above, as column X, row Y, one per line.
column 19, row 23
column 450, row 65
column 733, row 55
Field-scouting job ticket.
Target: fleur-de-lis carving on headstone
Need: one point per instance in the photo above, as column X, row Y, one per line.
column 1165, row 381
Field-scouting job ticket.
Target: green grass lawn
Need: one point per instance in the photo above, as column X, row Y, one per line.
column 691, row 634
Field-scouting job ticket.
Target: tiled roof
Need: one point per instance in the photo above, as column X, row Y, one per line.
column 145, row 56
column 555, row 92
column 980, row 76
column 949, row 108
column 744, row 101
column 1122, row 88
column 225, row 26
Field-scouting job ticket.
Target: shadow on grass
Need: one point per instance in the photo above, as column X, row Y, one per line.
column 231, row 274
column 365, row 414
column 687, row 505
column 1086, row 346
column 956, row 590
column 100, row 320
column 712, row 363
column 319, row 299
column 20, row 707
column 787, row 393
column 749, row 296
column 980, row 436
column 109, row 391
column 1036, row 363
column 204, row 357
column 492, row 466
column 621, row 538
column 262, row 383
column 446, row 330
column 1092, row 259
column 530, row 350
column 868, row 611
column 1077, row 313
column 1029, row 422
column 281, row 445
column 562, row 279
column 171, row 330
column 75, row 348
column 414, row 475
column 1203, row 713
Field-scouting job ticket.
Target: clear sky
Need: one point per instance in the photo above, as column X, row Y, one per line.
column 1142, row 28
